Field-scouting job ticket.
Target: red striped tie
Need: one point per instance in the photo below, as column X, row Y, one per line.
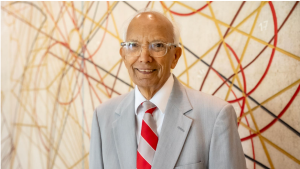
column 148, row 140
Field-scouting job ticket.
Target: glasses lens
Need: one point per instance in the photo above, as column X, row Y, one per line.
column 158, row 49
column 132, row 49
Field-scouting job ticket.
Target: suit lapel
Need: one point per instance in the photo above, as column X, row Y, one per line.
column 174, row 130
column 125, row 133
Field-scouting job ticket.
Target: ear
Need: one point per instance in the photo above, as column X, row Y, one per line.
column 121, row 53
column 177, row 55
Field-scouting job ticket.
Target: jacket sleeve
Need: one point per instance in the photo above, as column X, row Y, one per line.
column 226, row 150
column 95, row 157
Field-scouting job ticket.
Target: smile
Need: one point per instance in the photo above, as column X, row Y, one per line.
column 146, row 71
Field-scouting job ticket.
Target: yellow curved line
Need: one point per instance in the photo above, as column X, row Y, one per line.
column 272, row 97
column 272, row 144
column 110, row 70
column 232, row 30
column 79, row 47
column 97, row 24
column 28, row 102
column 20, row 118
column 152, row 4
column 166, row 10
column 183, row 50
column 33, row 120
column 98, row 86
column 77, row 162
column 242, row 32
column 243, row 53
column 259, row 136
column 271, row 46
column 116, row 28
column 235, row 71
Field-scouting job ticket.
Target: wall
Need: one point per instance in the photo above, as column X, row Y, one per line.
column 61, row 59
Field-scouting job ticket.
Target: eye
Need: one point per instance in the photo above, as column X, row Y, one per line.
column 133, row 45
column 158, row 45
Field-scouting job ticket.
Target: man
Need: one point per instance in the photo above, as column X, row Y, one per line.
column 161, row 124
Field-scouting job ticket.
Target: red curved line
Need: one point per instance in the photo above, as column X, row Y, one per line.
column 93, row 89
column 35, row 95
column 91, row 86
column 101, row 79
column 103, row 84
column 273, row 121
column 226, row 84
column 272, row 54
column 242, row 110
column 84, row 48
column 56, row 42
column 244, row 78
column 286, row 18
column 185, row 14
column 114, row 84
column 245, row 90
column 253, row 152
column 103, row 34
column 217, row 51
column 241, row 67
column 77, row 94
column 55, row 23
column 87, row 127
column 243, row 104
column 72, row 17
column 91, row 57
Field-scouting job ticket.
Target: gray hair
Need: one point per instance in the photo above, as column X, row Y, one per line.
column 176, row 31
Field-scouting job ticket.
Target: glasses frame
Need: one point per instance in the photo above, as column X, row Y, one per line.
column 125, row 44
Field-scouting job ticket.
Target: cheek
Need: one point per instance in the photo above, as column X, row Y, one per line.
column 128, row 67
column 164, row 67
column 128, row 63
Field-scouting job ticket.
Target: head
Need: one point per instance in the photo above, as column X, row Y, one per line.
column 146, row 71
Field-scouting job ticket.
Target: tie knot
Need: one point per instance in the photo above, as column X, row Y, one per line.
column 148, row 107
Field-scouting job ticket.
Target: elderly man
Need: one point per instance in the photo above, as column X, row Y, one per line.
column 161, row 124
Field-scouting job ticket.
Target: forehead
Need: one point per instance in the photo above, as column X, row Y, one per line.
column 150, row 27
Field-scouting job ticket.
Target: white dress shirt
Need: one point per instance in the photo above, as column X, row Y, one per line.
column 160, row 99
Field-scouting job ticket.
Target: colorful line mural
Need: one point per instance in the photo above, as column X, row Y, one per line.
column 60, row 60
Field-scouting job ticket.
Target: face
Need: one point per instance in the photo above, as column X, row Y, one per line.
column 147, row 71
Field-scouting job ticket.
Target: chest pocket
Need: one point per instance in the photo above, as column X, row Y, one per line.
column 191, row 166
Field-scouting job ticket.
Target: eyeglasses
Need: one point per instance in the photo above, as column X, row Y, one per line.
column 156, row 49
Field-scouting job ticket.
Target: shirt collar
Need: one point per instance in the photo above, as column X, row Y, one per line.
column 161, row 97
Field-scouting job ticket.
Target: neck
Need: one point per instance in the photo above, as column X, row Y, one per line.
column 149, row 92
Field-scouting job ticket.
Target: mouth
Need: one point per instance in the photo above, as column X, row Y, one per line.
column 145, row 71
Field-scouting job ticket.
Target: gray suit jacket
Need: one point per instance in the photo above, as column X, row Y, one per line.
column 199, row 131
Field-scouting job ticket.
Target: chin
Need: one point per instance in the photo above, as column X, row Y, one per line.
column 144, row 83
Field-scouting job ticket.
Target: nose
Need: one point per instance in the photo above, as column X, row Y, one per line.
column 145, row 55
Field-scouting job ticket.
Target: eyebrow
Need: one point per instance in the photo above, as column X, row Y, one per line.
column 155, row 40
column 132, row 40
column 158, row 40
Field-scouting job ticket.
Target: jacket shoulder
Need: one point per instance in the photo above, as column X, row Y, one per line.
column 108, row 107
column 211, row 104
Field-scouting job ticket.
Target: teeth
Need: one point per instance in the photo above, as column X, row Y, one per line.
column 146, row 70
